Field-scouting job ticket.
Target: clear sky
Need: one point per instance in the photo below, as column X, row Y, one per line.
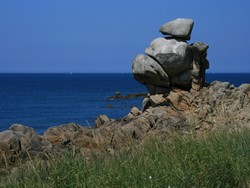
column 105, row 35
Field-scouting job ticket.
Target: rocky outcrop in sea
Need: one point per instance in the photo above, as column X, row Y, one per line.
column 175, row 104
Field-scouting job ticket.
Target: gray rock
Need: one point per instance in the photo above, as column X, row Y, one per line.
column 200, row 64
column 180, row 28
column 173, row 55
column 199, row 48
column 21, row 142
column 10, row 141
column 183, row 79
column 154, row 89
column 24, row 131
column 147, row 71
column 145, row 104
column 29, row 140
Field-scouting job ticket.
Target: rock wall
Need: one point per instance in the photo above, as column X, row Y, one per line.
column 171, row 61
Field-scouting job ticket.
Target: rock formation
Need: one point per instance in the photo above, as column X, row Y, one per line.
column 171, row 61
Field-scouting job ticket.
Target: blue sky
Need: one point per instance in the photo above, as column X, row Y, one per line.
column 104, row 36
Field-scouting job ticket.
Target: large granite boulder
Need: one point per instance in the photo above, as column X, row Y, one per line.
column 179, row 28
column 148, row 72
column 172, row 54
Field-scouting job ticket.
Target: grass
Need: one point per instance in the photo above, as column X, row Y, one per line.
column 218, row 160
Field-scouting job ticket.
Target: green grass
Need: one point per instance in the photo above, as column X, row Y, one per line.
column 219, row 160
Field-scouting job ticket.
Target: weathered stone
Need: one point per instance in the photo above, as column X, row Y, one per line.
column 136, row 128
column 63, row 134
column 198, row 48
column 10, row 140
column 145, row 104
column 153, row 89
column 183, row 79
column 21, row 142
column 180, row 28
column 135, row 111
column 29, row 140
column 200, row 64
column 101, row 120
column 173, row 55
column 167, row 118
column 157, row 100
column 148, row 72
column 181, row 100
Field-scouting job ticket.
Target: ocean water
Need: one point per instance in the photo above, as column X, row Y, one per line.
column 45, row 100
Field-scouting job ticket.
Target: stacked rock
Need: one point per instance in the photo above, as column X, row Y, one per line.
column 171, row 61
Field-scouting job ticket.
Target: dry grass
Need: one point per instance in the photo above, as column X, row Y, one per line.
column 219, row 160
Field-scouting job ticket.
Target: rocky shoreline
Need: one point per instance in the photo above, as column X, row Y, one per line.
column 179, row 101
column 216, row 106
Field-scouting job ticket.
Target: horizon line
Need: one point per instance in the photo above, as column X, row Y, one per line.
column 106, row 72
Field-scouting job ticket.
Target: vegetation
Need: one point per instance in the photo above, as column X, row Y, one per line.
column 218, row 160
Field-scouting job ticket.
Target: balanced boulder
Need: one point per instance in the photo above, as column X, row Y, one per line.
column 148, row 72
column 171, row 61
column 173, row 55
column 179, row 28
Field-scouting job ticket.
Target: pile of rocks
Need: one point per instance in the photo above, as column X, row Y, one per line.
column 171, row 61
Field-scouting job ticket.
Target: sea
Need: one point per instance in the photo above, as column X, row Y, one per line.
column 45, row 100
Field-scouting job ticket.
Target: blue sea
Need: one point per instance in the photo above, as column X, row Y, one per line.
column 45, row 100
